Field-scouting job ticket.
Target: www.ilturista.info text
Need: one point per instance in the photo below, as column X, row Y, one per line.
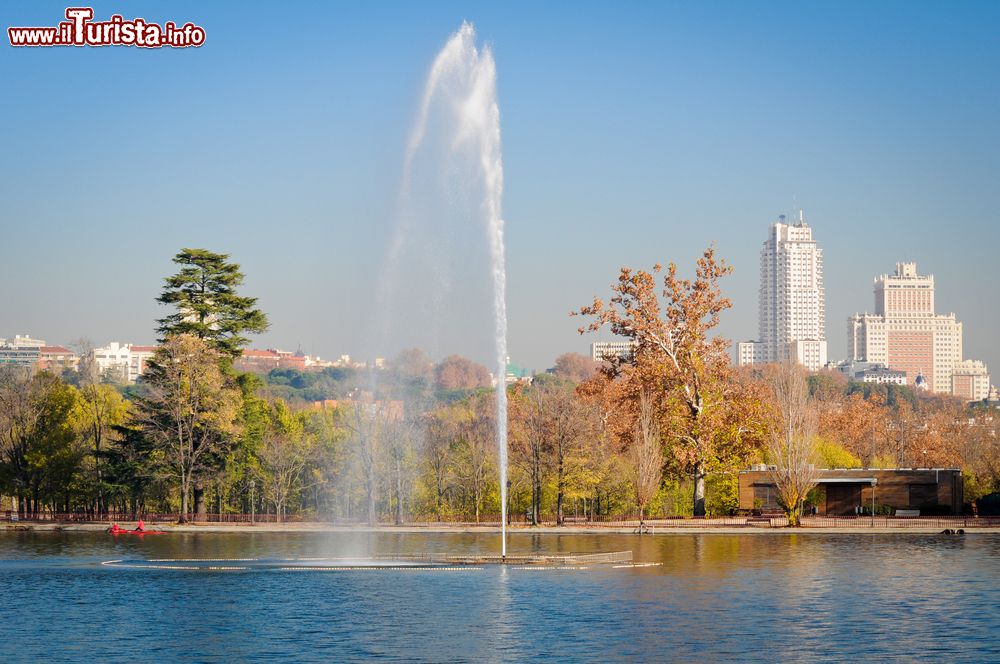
column 81, row 30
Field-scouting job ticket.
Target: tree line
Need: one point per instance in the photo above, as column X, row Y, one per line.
column 661, row 431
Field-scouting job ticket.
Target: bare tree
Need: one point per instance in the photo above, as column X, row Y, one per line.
column 284, row 454
column 575, row 367
column 88, row 372
column 441, row 432
column 367, row 420
column 399, row 446
column 646, row 456
column 792, row 443
column 475, row 452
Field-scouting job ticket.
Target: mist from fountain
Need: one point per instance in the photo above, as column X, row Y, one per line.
column 454, row 151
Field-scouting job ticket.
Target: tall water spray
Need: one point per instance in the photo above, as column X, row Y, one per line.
column 459, row 116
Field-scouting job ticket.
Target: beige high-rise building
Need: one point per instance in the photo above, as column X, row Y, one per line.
column 904, row 333
column 970, row 380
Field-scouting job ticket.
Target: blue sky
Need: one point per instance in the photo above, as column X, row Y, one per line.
column 633, row 133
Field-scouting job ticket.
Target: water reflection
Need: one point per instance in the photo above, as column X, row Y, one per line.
column 761, row 597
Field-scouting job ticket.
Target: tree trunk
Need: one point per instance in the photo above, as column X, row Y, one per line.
column 561, row 488
column 184, row 501
column 536, row 488
column 440, row 500
column 699, row 489
column 399, row 493
column 199, row 503
column 371, row 502
column 100, row 477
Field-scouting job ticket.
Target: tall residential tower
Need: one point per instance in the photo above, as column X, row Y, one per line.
column 792, row 318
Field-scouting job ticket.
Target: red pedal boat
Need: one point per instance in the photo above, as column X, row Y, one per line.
column 138, row 532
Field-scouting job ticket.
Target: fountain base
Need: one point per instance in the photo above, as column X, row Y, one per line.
column 433, row 562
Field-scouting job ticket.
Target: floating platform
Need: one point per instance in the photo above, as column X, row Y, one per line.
column 431, row 562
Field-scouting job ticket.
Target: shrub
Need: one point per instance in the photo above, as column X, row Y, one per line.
column 880, row 510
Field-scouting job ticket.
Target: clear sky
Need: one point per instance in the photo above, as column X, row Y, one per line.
column 633, row 133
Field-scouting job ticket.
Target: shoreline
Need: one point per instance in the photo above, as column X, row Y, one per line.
column 292, row 528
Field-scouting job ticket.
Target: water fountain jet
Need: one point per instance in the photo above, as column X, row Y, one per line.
column 460, row 95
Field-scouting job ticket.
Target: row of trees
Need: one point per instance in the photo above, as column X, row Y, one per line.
column 662, row 431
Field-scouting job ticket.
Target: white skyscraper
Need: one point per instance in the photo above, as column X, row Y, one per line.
column 792, row 318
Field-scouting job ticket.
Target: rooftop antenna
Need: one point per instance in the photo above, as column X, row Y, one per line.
column 802, row 219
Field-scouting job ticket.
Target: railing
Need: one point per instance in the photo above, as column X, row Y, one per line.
column 901, row 522
column 493, row 520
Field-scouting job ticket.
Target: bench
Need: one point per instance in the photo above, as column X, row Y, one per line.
column 757, row 518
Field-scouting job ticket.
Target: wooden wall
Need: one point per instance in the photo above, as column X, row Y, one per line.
column 902, row 488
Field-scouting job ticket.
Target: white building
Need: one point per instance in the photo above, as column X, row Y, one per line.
column 138, row 360
column 125, row 361
column 870, row 372
column 747, row 351
column 883, row 376
column 602, row 350
column 22, row 341
column 970, row 380
column 792, row 309
column 904, row 333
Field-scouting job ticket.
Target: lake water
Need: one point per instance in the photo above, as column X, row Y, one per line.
column 755, row 597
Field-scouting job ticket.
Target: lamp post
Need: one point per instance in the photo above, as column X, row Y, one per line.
column 503, row 523
column 252, row 484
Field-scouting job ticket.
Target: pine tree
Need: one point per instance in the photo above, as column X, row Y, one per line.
column 208, row 306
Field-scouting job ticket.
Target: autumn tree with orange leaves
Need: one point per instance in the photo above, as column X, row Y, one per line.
column 710, row 416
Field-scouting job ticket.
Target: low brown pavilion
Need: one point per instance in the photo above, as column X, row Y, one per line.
column 847, row 490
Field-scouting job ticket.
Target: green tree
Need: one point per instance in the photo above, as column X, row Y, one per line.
column 190, row 409
column 39, row 458
column 101, row 408
column 208, row 306
column 284, row 454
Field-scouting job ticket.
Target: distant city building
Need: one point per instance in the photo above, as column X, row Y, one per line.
column 112, row 359
column 24, row 341
column 344, row 361
column 22, row 356
column 57, row 359
column 904, row 333
column 22, row 351
column 871, row 372
column 792, row 309
column 970, row 380
column 138, row 360
column 126, row 362
column 747, row 353
column 515, row 374
column 883, row 375
column 264, row 361
column 603, row 350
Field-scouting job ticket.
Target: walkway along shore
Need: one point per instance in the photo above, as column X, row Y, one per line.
column 910, row 528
